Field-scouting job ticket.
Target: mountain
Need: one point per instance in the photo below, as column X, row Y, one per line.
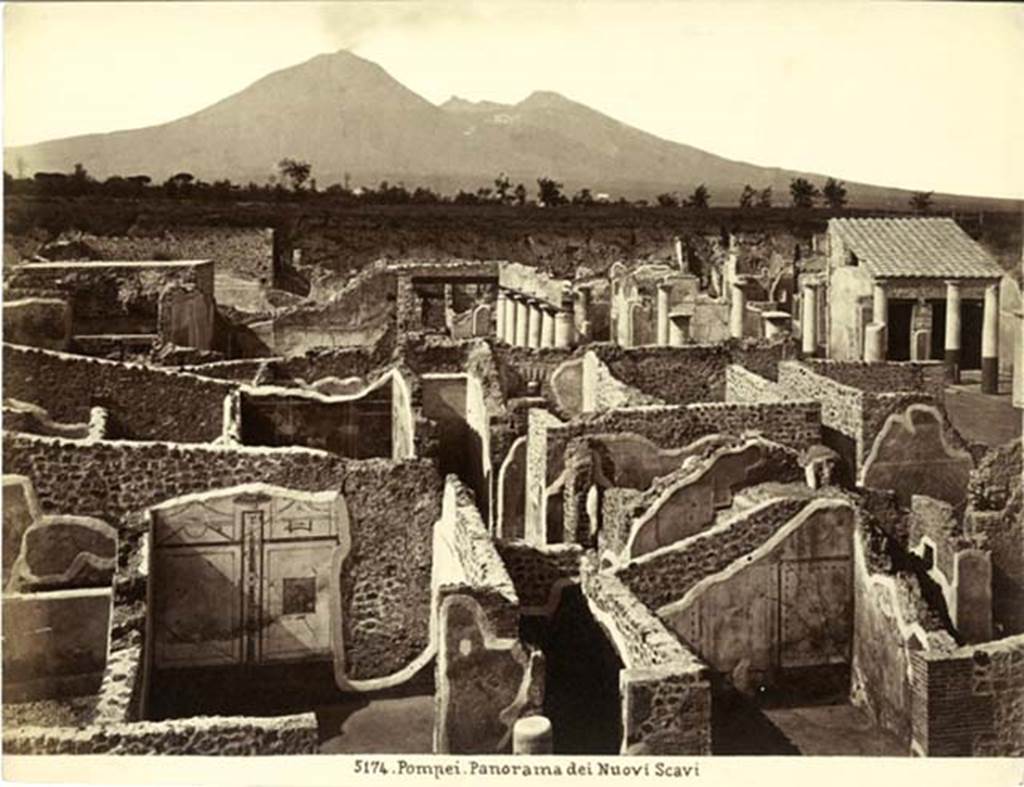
column 346, row 115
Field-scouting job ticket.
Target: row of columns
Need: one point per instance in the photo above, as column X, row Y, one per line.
column 876, row 334
column 527, row 322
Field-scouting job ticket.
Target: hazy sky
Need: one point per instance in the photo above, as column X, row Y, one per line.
column 920, row 95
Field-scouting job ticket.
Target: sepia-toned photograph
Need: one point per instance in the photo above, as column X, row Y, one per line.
column 461, row 390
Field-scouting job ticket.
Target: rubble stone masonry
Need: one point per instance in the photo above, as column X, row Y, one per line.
column 144, row 403
column 393, row 508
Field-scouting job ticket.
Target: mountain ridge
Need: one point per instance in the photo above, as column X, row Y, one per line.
column 353, row 121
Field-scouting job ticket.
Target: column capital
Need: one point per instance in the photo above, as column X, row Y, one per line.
column 954, row 283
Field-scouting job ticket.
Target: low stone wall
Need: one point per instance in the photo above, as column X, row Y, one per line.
column 925, row 376
column 241, row 370
column 602, row 391
column 37, row 322
column 661, row 577
column 743, row 386
column 694, row 372
column 663, row 687
column 145, row 403
column 215, row 735
column 393, row 507
column 55, row 643
column 540, row 573
column 969, row 702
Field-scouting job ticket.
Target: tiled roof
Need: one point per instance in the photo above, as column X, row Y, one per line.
column 915, row 247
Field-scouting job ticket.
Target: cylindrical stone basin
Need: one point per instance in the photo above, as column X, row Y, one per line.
column 532, row 735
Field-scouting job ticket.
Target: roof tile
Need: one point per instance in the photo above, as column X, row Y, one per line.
column 917, row 247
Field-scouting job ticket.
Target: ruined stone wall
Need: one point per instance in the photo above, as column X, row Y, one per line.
column 145, row 403
column 664, row 576
column 841, row 404
column 110, row 298
column 743, row 386
column 996, row 510
column 481, row 565
column 542, row 467
column 793, row 424
column 887, row 630
column 240, row 370
column 663, row 686
column 242, row 251
column 602, row 391
column 929, row 376
column 969, row 702
column 393, row 507
column 540, row 573
column 692, row 373
column 486, row 678
column 224, row 736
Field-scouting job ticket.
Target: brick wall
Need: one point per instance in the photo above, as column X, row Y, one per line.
column 970, row 702
column 145, row 403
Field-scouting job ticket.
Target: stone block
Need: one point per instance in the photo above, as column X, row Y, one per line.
column 20, row 510
column 484, row 683
column 66, row 552
column 38, row 322
column 55, row 644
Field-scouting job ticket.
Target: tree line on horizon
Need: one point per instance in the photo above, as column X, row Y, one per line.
column 293, row 181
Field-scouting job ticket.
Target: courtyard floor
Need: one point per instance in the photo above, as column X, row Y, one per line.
column 984, row 418
column 403, row 725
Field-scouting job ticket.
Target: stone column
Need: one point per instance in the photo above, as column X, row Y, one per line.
column 499, row 316
column 522, row 321
column 809, row 320
column 664, row 290
column 563, row 328
column 1018, row 361
column 737, row 309
column 874, row 342
column 680, row 262
column 533, row 324
column 679, row 329
column 952, row 345
column 510, row 319
column 879, row 303
column 876, row 334
column 990, row 341
column 547, row 327
column 584, row 296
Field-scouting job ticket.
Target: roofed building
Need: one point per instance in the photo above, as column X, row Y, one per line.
column 910, row 289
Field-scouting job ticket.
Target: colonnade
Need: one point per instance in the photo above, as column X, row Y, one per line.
column 876, row 333
column 525, row 321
